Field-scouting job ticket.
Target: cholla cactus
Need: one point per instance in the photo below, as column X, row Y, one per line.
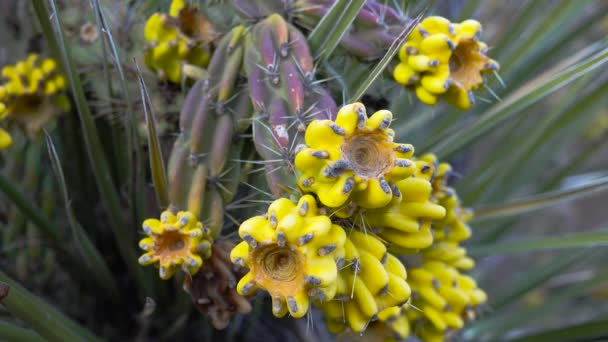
column 441, row 58
column 32, row 94
column 291, row 252
column 353, row 158
column 175, row 241
column 370, row 281
column 445, row 298
column 406, row 224
column 183, row 36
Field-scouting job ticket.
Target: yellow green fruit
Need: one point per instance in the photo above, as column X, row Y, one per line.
column 183, row 36
column 291, row 252
column 174, row 242
column 32, row 92
column 370, row 281
column 440, row 58
column 353, row 158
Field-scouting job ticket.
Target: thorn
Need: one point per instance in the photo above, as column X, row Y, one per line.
column 306, row 238
column 281, row 239
column 337, row 129
column 312, row 280
column 250, row 240
column 327, row 249
column 349, row 185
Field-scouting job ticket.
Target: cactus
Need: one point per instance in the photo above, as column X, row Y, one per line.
column 200, row 161
column 183, row 36
column 284, row 94
column 275, row 202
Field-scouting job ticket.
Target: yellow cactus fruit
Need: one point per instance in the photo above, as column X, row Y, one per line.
column 444, row 58
column 32, row 92
column 453, row 226
column 392, row 325
column 370, row 281
column 175, row 241
column 182, row 36
column 292, row 252
column 444, row 299
column 406, row 224
column 354, row 159
column 5, row 139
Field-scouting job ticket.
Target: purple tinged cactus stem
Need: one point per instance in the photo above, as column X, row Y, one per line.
column 215, row 110
column 279, row 67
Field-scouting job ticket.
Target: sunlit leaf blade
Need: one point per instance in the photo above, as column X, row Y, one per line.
column 12, row 332
column 40, row 316
column 578, row 240
column 90, row 256
column 540, row 201
column 384, row 62
column 110, row 198
column 331, row 28
column 528, row 94
column 157, row 163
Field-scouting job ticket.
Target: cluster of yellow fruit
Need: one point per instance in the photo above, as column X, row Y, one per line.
column 446, row 59
column 368, row 204
column 182, row 36
column 31, row 93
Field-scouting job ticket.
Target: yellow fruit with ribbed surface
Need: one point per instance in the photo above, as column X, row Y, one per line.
column 444, row 59
column 291, row 252
column 182, row 36
column 353, row 158
column 370, row 281
column 174, row 242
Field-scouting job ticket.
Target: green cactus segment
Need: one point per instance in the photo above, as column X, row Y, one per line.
column 203, row 160
column 285, row 96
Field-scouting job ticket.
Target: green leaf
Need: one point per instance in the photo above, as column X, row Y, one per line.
column 450, row 142
column 501, row 323
column 540, row 201
column 533, row 277
column 110, row 198
column 97, row 266
column 595, row 330
column 32, row 213
column 12, row 332
column 136, row 186
column 40, row 316
column 578, row 240
column 157, row 163
column 332, row 27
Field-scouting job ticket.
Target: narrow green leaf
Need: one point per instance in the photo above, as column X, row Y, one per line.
column 33, row 214
column 335, row 23
column 540, row 201
column 384, row 62
column 12, row 332
column 595, row 330
column 533, row 277
column 110, row 198
column 579, row 240
column 536, row 89
column 135, row 183
column 492, row 329
column 157, row 163
column 86, row 248
column 40, row 316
